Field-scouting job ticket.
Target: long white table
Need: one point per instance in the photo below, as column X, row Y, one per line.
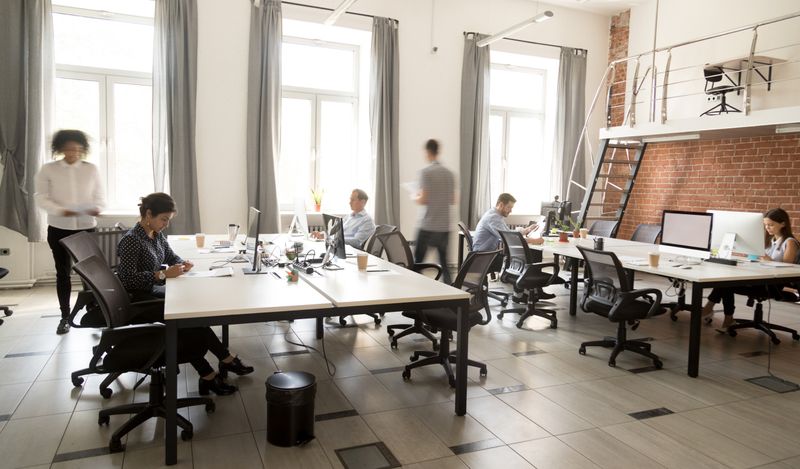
column 193, row 302
column 704, row 275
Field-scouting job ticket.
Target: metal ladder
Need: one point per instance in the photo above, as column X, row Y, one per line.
column 615, row 172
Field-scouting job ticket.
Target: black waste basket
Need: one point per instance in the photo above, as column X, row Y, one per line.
column 290, row 408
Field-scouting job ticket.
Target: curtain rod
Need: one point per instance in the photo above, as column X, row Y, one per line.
column 331, row 9
column 532, row 42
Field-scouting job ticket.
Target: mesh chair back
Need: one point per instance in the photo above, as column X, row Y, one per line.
column 605, row 277
column 472, row 277
column 464, row 229
column 516, row 252
column 373, row 245
column 81, row 245
column 646, row 233
column 397, row 249
column 604, row 228
column 107, row 289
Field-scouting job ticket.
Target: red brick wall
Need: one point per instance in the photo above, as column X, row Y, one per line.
column 743, row 174
column 618, row 49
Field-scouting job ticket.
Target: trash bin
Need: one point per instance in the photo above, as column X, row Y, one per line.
column 290, row 408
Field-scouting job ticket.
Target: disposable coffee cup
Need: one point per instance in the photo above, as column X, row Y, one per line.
column 654, row 256
column 200, row 239
column 362, row 260
column 584, row 233
column 233, row 232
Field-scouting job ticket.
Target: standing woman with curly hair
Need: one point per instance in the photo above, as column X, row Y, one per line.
column 69, row 189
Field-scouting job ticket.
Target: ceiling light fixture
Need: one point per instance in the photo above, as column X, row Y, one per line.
column 787, row 129
column 339, row 11
column 671, row 138
column 544, row 16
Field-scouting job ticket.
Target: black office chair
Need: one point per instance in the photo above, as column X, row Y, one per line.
column 398, row 252
column 496, row 266
column 5, row 309
column 471, row 278
column 523, row 268
column 757, row 297
column 646, row 233
column 604, row 228
column 609, row 292
column 713, row 75
column 373, row 246
column 132, row 348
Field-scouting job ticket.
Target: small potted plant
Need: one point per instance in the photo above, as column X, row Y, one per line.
column 317, row 196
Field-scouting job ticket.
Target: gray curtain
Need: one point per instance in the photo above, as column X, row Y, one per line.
column 26, row 78
column 264, row 111
column 475, row 197
column 384, row 101
column 570, row 117
column 174, row 107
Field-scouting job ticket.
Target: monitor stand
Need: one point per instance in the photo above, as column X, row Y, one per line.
column 249, row 271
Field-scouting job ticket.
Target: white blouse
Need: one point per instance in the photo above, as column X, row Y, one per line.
column 77, row 187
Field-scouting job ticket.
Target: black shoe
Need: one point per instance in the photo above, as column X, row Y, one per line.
column 520, row 299
column 236, row 366
column 63, row 327
column 543, row 295
column 220, row 387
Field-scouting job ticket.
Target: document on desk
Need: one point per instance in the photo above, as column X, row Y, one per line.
column 632, row 260
column 222, row 250
column 768, row 264
column 221, row 272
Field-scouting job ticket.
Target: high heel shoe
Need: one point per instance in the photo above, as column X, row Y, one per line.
column 220, row 387
column 236, row 366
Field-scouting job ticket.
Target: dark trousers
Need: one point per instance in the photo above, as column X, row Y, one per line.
column 726, row 295
column 433, row 239
column 63, row 266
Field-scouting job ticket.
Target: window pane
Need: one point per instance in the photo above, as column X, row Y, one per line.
column 318, row 67
column 132, row 169
column 127, row 7
column 101, row 43
column 294, row 174
column 516, row 89
column 337, row 153
column 78, row 107
column 528, row 174
column 496, row 169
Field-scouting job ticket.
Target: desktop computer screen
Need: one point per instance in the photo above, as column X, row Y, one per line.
column 334, row 240
column 555, row 212
column 686, row 233
column 747, row 226
column 253, row 226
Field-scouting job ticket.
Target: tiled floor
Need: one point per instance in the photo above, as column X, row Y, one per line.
column 542, row 405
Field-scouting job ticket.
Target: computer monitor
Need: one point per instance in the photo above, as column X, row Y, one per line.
column 335, row 239
column 299, row 225
column 686, row 233
column 748, row 227
column 251, row 241
column 553, row 212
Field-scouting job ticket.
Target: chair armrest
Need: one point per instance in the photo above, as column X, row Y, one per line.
column 537, row 267
column 419, row 267
column 147, row 311
column 113, row 337
column 643, row 293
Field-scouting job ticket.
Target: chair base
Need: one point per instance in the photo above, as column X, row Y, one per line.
column 105, row 391
column 620, row 344
column 500, row 296
column 153, row 408
column 375, row 317
column 444, row 357
column 758, row 323
column 407, row 329
column 722, row 108
column 531, row 310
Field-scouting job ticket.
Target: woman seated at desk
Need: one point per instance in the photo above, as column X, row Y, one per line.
column 781, row 246
column 142, row 251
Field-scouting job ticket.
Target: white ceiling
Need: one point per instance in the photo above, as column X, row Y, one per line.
column 603, row 7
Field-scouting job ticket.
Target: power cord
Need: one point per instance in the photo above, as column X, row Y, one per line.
column 328, row 363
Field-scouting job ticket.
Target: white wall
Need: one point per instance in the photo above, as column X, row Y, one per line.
column 683, row 20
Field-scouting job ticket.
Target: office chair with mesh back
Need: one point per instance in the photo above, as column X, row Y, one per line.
column 757, row 296
column 5, row 309
column 609, row 292
column 133, row 348
column 603, row 228
column 373, row 246
column 646, row 233
column 471, row 278
column 523, row 268
column 496, row 266
column 398, row 252
column 714, row 74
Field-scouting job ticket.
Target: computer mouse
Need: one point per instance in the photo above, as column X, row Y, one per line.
column 686, row 267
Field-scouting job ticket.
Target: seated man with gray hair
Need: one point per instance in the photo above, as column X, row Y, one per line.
column 357, row 225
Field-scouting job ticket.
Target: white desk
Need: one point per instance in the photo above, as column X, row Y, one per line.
column 705, row 275
column 192, row 302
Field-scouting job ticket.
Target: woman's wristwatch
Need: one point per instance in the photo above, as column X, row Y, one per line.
column 161, row 275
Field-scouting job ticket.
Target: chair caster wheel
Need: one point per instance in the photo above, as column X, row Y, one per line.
column 393, row 344
column 414, row 357
column 658, row 364
column 187, row 435
column 504, row 303
column 211, row 407
column 520, row 323
column 582, row 350
column 732, row 332
column 483, row 372
column 103, row 420
column 612, row 363
column 776, row 340
column 342, row 322
column 406, row 375
column 499, row 315
column 115, row 446
column 708, row 320
column 77, row 381
column 635, row 326
column 452, row 383
column 795, row 336
column 553, row 324
column 377, row 321
column 106, row 392
column 390, row 332
column 673, row 315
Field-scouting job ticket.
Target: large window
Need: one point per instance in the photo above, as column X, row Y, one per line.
column 103, row 55
column 521, row 125
column 324, row 129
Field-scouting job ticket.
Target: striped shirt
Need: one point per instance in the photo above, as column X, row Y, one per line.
column 438, row 184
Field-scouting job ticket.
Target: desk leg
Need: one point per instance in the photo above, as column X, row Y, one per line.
column 462, row 345
column 694, row 330
column 320, row 328
column 171, row 401
column 225, row 335
column 460, row 250
column 573, row 287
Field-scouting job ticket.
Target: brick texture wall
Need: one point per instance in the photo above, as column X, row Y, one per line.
column 618, row 49
column 742, row 174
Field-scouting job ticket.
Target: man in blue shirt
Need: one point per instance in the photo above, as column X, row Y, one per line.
column 357, row 225
column 487, row 236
